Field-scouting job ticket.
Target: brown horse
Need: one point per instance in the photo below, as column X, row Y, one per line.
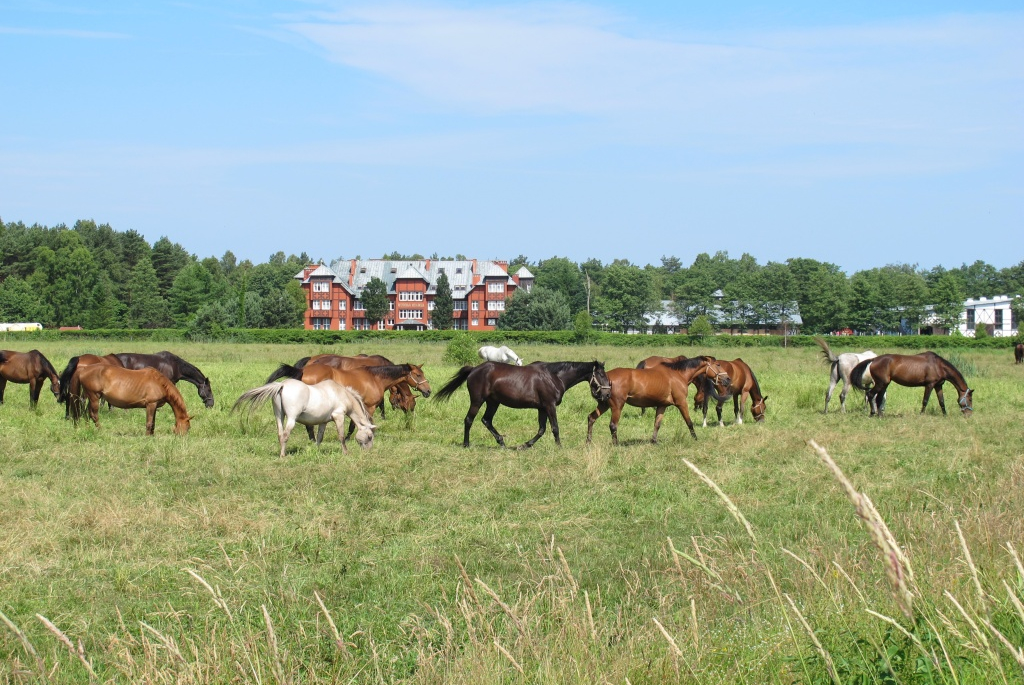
column 699, row 381
column 369, row 381
column 744, row 387
column 662, row 386
column 27, row 367
column 70, row 390
column 401, row 396
column 129, row 389
column 926, row 369
column 1018, row 353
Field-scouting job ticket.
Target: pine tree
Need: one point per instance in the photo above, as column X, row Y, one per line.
column 443, row 316
column 146, row 308
column 375, row 300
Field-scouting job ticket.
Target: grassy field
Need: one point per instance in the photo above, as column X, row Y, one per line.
column 207, row 559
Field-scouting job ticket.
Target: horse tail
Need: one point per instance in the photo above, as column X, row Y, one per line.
column 287, row 371
column 642, row 364
column 451, row 386
column 257, row 396
column 857, row 375
column 65, row 379
column 301, row 364
column 710, row 391
column 830, row 356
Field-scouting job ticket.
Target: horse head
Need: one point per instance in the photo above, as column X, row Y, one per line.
column 600, row 386
column 364, row 435
column 966, row 401
column 182, row 425
column 55, row 388
column 758, row 408
column 417, row 378
column 715, row 373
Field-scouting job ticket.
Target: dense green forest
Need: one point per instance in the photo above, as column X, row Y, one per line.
column 92, row 276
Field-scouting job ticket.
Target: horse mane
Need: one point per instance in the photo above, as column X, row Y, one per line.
column 65, row 379
column 174, row 397
column 389, row 371
column 687, row 364
column 47, row 366
column 949, row 365
column 558, row 367
column 753, row 379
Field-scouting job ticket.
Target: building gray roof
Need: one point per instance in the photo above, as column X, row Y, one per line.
column 459, row 273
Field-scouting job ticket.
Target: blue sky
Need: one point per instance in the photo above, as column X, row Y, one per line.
column 862, row 134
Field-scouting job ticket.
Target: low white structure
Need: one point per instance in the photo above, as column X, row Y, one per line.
column 15, row 327
column 994, row 312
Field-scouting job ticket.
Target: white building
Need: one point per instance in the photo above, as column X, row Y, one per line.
column 994, row 312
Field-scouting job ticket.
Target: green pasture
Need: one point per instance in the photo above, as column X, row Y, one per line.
column 207, row 559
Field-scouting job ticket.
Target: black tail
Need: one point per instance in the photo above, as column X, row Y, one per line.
column 65, row 379
column 642, row 364
column 287, row 371
column 3, row 358
column 857, row 375
column 453, row 385
column 301, row 364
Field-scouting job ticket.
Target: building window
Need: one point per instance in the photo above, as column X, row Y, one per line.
column 498, row 305
column 410, row 296
column 459, row 305
column 492, row 322
column 999, row 318
column 410, row 314
column 358, row 306
column 341, row 324
column 476, row 321
column 341, row 305
column 495, row 287
column 321, row 286
column 460, row 325
column 970, row 317
column 321, row 324
column 391, row 306
column 476, row 306
column 430, row 305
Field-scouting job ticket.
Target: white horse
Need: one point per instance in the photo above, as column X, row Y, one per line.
column 499, row 354
column 842, row 365
column 312, row 405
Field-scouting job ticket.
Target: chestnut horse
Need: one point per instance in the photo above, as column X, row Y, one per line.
column 129, row 389
column 662, row 386
column 912, row 370
column 539, row 386
column 369, row 381
column 401, row 396
column 744, row 387
column 718, row 391
column 1018, row 353
column 27, row 367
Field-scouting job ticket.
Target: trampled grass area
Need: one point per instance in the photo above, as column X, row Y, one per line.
column 209, row 559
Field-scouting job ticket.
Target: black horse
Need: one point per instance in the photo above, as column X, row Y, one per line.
column 173, row 367
column 537, row 386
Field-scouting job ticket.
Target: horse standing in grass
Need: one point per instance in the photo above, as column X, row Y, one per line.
column 173, row 367
column 129, row 389
column 926, row 369
column 1018, row 353
column 744, row 387
column 699, row 381
column 70, row 389
column 841, row 366
column 312, row 405
column 27, row 367
column 499, row 354
column 401, row 396
column 661, row 387
column 539, row 386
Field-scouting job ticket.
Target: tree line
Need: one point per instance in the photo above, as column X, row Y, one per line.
column 92, row 276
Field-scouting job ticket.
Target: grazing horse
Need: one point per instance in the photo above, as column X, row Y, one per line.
column 27, row 367
column 662, row 386
column 312, row 405
column 499, row 354
column 912, row 370
column 70, row 389
column 173, row 367
column 369, row 381
column 842, row 365
column 539, row 386
column 401, row 396
column 744, row 386
column 1018, row 353
column 129, row 389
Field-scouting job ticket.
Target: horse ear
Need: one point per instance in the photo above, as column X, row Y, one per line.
column 373, row 427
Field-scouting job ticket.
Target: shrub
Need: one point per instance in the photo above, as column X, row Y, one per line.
column 461, row 350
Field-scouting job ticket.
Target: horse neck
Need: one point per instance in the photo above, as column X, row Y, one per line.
column 954, row 376
column 174, row 399
column 49, row 370
column 190, row 373
column 571, row 373
column 392, row 374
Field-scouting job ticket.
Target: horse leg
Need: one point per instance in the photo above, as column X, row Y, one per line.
column 284, row 431
column 738, row 406
column 613, row 423
column 3, row 386
column 685, row 411
column 339, row 422
column 833, row 380
column 488, row 421
column 94, row 409
column 659, row 416
column 320, row 431
column 602, row 407
column 542, row 426
column 311, row 434
column 34, row 388
column 150, row 418
column 938, row 396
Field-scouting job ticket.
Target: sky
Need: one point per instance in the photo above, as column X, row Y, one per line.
column 864, row 134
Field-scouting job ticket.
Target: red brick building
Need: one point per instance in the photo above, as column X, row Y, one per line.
column 479, row 289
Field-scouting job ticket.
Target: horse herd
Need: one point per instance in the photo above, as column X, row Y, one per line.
column 324, row 388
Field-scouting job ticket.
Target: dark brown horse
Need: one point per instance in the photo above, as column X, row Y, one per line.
column 27, row 367
column 1018, row 353
column 371, row 382
column 171, row 366
column 539, row 386
column 744, row 387
column 661, row 387
column 401, row 396
column 926, row 369
column 129, row 389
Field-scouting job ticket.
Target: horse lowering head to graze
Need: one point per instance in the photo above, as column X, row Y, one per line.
column 927, row 370
column 129, row 389
column 499, row 354
column 660, row 386
column 312, row 405
column 28, row 367
column 744, row 386
column 841, row 366
column 171, row 366
column 539, row 386
column 401, row 394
